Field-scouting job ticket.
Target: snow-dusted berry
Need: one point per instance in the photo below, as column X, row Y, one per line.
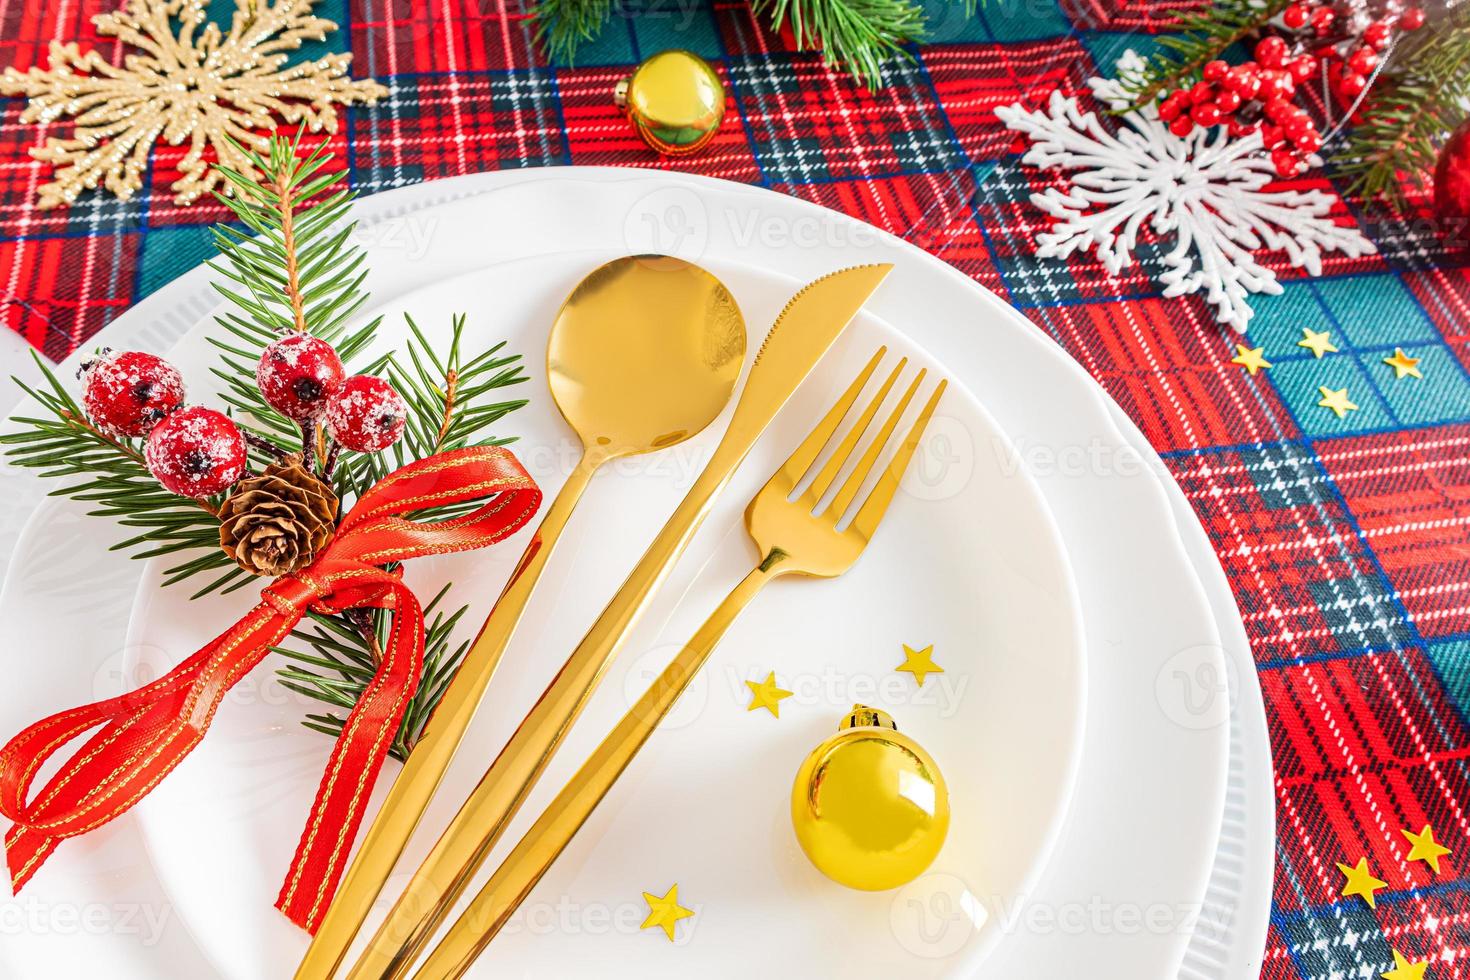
column 367, row 415
column 196, row 452
column 126, row 393
column 299, row 375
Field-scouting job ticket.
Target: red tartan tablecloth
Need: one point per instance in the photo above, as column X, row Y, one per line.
column 1345, row 539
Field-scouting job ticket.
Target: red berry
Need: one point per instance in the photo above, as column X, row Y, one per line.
column 1239, row 129
column 1181, row 126
column 1201, row 92
column 1362, row 61
column 195, row 452
column 126, row 393
column 1308, row 142
column 367, row 415
column 1272, row 136
column 1276, row 84
column 1412, row 19
column 1215, row 70
column 1377, row 34
column 1351, row 85
column 1287, row 163
column 1242, row 80
column 1297, row 126
column 1171, row 107
column 1322, row 19
column 1302, row 68
column 1205, row 114
column 298, row 375
column 1277, row 109
column 1295, row 16
column 1271, row 52
column 1227, row 101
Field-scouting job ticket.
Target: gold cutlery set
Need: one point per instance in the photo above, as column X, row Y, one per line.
column 643, row 355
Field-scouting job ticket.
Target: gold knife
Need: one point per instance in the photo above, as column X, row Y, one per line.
column 802, row 333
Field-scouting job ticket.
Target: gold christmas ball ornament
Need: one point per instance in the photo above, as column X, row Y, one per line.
column 870, row 807
column 674, row 100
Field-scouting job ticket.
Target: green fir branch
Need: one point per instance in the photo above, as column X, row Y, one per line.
column 333, row 662
column 110, row 474
column 1203, row 35
column 1420, row 98
column 857, row 35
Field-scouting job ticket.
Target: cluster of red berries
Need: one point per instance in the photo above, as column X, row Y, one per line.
column 197, row 451
column 1256, row 96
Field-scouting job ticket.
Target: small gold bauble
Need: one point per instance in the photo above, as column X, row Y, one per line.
column 870, row 807
column 674, row 100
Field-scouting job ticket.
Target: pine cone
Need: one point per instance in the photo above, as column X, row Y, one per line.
column 277, row 522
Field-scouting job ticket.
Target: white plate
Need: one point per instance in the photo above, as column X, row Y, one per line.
column 975, row 568
column 1012, row 350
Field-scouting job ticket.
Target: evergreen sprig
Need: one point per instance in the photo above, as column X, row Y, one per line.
column 110, row 473
column 1202, row 34
column 333, row 661
column 860, row 36
column 292, row 266
column 1421, row 97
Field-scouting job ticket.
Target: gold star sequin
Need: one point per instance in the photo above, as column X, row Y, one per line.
column 1425, row 848
column 920, row 663
column 195, row 84
column 1404, row 970
column 1336, row 400
column 766, row 695
column 664, row 912
column 1317, row 343
column 1252, row 359
column 1403, row 365
column 1360, row 881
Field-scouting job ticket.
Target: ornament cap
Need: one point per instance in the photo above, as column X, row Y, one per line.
column 620, row 91
column 862, row 716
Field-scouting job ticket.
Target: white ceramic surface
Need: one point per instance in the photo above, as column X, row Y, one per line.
column 974, row 567
column 1012, row 352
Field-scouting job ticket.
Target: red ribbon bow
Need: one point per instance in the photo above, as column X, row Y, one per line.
column 143, row 735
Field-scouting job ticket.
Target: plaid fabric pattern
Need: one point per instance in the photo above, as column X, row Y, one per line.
column 1347, row 540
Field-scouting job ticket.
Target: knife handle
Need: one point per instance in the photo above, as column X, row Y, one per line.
column 409, row 796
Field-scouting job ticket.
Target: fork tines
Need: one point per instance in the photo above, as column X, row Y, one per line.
column 803, row 461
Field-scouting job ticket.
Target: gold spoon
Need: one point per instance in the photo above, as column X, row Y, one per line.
column 643, row 355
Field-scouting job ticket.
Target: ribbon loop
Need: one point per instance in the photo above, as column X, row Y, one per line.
column 141, row 736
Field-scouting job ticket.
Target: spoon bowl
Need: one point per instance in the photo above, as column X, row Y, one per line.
column 644, row 354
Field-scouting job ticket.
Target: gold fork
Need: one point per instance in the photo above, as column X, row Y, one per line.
column 795, row 534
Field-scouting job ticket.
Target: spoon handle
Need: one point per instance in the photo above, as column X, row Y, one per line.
column 478, row 825
column 409, row 796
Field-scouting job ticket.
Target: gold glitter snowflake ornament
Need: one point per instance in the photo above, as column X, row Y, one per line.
column 186, row 82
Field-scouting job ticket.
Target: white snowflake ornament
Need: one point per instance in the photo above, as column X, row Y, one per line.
column 1205, row 188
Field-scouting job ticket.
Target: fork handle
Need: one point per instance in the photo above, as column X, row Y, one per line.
column 559, row 823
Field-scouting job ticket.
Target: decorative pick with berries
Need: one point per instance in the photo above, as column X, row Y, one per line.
column 1205, row 195
column 257, row 480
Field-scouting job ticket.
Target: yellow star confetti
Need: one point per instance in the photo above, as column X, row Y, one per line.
column 664, row 912
column 1250, row 358
column 920, row 663
column 1425, row 847
column 1337, row 400
column 1317, row 343
column 1404, row 970
column 1360, row 881
column 766, row 695
column 1403, row 365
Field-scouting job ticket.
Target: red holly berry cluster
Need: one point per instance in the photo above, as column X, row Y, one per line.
column 1257, row 95
column 199, row 452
